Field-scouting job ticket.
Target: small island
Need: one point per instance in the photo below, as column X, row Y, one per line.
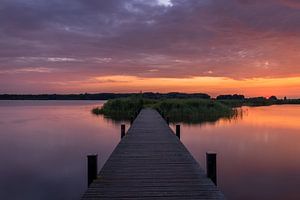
column 184, row 108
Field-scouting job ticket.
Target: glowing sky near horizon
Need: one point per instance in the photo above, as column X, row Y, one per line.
column 213, row 46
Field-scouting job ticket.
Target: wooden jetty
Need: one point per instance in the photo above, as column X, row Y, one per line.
column 150, row 162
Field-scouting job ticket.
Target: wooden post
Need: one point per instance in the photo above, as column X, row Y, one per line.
column 92, row 162
column 211, row 166
column 131, row 120
column 178, row 130
column 122, row 130
column 135, row 114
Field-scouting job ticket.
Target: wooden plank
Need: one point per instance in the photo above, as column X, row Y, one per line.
column 150, row 162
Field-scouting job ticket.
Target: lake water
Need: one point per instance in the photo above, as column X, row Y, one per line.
column 43, row 148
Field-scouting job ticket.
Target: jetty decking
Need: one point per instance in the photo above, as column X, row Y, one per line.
column 150, row 162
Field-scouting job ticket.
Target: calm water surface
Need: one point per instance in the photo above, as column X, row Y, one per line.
column 43, row 148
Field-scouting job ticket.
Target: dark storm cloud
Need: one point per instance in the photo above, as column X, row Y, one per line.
column 231, row 38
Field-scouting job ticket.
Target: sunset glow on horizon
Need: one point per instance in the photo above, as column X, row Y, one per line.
column 266, row 87
column 210, row 46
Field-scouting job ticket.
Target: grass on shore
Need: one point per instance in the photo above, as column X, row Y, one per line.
column 177, row 110
column 189, row 110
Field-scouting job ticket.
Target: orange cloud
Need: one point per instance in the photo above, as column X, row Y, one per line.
column 213, row 85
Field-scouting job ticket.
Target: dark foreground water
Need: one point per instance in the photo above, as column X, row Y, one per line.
column 43, row 148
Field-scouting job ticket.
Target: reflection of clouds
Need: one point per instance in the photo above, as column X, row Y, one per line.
column 276, row 116
column 24, row 120
column 60, row 145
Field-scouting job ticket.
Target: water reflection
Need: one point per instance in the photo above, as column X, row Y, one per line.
column 43, row 148
column 257, row 153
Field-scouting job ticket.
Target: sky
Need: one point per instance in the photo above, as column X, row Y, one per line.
column 249, row 47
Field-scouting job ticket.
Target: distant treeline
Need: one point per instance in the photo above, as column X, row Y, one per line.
column 234, row 100
column 240, row 100
column 86, row 96
column 100, row 96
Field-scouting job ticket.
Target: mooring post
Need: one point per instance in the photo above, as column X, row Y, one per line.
column 162, row 114
column 211, row 166
column 131, row 120
column 178, row 130
column 122, row 130
column 92, row 162
column 135, row 114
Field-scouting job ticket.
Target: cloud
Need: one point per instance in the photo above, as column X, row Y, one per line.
column 153, row 38
column 27, row 70
column 291, row 3
column 62, row 59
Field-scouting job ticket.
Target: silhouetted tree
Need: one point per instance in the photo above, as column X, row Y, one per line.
column 231, row 97
column 273, row 98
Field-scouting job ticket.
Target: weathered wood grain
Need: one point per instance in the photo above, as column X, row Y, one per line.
column 150, row 162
